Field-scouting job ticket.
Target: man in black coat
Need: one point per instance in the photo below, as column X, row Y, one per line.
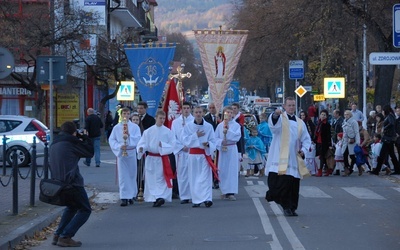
column 146, row 120
column 336, row 124
column 65, row 152
column 212, row 116
column 93, row 126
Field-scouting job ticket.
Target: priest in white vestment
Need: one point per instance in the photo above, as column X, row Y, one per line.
column 182, row 152
column 123, row 141
column 198, row 135
column 227, row 134
column 158, row 141
column 285, row 166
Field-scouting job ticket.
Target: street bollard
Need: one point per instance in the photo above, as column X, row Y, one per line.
column 33, row 173
column 46, row 160
column 15, row 182
column 4, row 155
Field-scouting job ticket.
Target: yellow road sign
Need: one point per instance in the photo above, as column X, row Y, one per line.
column 300, row 91
column 319, row 98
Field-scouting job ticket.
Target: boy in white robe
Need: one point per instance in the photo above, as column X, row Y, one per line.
column 227, row 134
column 158, row 141
column 125, row 151
column 290, row 139
column 182, row 152
column 198, row 135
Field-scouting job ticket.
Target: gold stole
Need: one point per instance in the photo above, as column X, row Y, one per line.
column 284, row 153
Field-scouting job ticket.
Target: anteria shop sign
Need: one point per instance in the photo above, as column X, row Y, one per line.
column 14, row 91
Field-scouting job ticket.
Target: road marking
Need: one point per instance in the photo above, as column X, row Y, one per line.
column 313, row 192
column 256, row 191
column 250, row 183
column 287, row 229
column 397, row 189
column 363, row 193
column 268, row 229
column 109, row 161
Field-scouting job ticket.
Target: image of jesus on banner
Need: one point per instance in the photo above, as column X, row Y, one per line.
column 220, row 61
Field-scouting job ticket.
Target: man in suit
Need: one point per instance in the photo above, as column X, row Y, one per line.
column 212, row 116
column 146, row 120
column 336, row 124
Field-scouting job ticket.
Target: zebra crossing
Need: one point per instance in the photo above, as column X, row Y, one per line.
column 257, row 189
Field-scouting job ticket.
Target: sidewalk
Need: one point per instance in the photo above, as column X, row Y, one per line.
column 14, row 228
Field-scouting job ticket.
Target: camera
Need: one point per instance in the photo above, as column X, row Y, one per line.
column 79, row 133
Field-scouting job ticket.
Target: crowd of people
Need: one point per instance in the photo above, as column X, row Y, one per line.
column 201, row 152
column 343, row 144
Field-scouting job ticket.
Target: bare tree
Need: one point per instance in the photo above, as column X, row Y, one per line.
column 30, row 32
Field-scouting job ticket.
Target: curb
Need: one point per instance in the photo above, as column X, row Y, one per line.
column 29, row 229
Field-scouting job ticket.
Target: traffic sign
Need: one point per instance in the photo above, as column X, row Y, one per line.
column 334, row 87
column 296, row 69
column 384, row 58
column 6, row 62
column 300, row 91
column 319, row 98
column 279, row 90
column 59, row 66
column 396, row 25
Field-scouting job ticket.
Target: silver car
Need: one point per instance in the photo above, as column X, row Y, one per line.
column 20, row 132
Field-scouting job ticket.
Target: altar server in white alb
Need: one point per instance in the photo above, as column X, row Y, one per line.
column 123, row 141
column 285, row 163
column 198, row 135
column 182, row 152
column 158, row 141
column 227, row 134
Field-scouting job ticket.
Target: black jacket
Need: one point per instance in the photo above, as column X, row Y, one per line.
column 389, row 129
column 65, row 152
column 147, row 121
column 208, row 119
column 93, row 125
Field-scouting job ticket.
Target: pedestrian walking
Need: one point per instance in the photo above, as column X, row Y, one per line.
column 158, row 141
column 198, row 136
column 123, row 141
column 351, row 138
column 285, row 165
column 93, row 126
column 227, row 134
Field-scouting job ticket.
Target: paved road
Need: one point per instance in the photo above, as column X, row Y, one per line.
column 335, row 213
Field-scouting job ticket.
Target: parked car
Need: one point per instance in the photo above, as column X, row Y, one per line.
column 20, row 131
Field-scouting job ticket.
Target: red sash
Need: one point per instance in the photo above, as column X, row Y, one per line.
column 168, row 174
column 200, row 151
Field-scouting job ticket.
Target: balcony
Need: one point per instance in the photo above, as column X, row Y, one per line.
column 129, row 14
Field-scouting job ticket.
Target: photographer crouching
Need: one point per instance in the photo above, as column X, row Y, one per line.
column 65, row 151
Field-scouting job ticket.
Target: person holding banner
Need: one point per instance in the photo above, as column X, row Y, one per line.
column 198, row 136
column 123, row 140
column 227, row 135
column 285, row 164
column 182, row 152
column 158, row 141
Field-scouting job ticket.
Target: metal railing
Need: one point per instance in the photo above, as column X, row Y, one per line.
column 16, row 173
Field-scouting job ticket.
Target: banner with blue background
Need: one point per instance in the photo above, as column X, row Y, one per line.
column 232, row 95
column 150, row 67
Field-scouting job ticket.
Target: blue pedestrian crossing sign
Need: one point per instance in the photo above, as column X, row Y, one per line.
column 334, row 87
column 126, row 91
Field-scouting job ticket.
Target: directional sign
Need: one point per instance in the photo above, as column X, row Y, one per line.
column 300, row 91
column 334, row 87
column 296, row 69
column 396, row 25
column 384, row 58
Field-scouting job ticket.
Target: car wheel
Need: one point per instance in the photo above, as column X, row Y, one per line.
column 23, row 157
